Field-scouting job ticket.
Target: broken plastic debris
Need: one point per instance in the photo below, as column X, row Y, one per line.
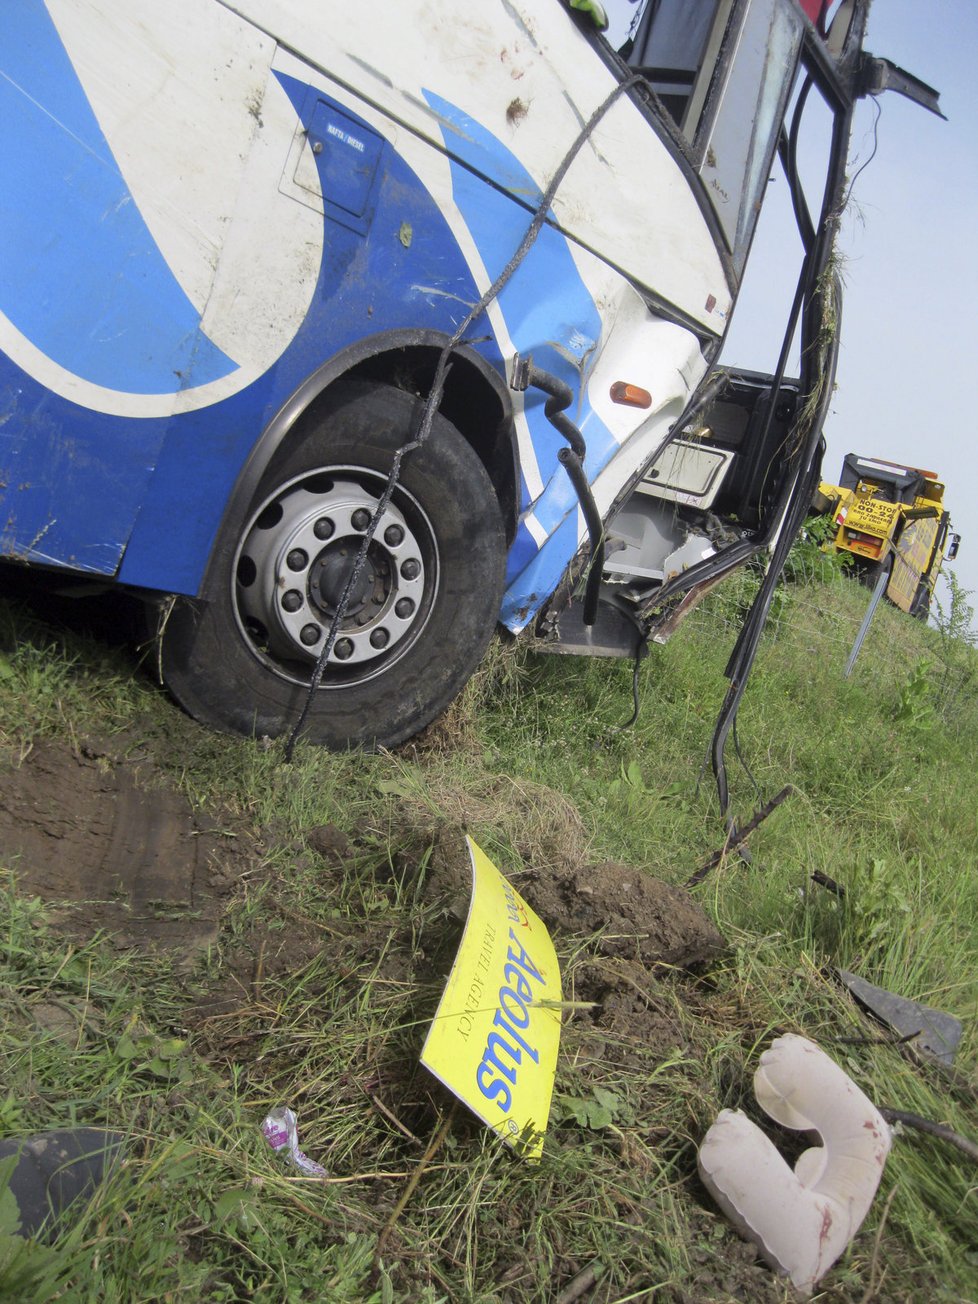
column 800, row 1220
column 280, row 1131
column 53, row 1169
column 930, row 1031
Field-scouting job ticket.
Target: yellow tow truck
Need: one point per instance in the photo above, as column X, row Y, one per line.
column 891, row 518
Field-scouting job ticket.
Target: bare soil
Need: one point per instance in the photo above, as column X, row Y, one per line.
column 637, row 928
column 102, row 836
column 112, row 847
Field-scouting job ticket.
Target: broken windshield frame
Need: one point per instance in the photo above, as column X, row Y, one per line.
column 723, row 72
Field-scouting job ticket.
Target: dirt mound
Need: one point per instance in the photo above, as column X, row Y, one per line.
column 637, row 929
column 111, row 846
column 630, row 914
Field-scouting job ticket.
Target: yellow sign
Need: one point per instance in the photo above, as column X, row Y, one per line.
column 494, row 1038
column 871, row 514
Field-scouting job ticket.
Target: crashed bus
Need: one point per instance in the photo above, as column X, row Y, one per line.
column 342, row 334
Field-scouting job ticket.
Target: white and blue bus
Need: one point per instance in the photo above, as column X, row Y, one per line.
column 343, row 332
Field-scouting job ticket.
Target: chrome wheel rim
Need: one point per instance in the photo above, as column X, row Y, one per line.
column 296, row 556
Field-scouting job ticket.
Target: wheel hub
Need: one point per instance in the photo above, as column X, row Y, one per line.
column 331, row 571
column 297, row 559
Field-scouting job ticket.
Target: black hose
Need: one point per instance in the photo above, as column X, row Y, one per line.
column 526, row 375
column 560, row 396
column 572, row 464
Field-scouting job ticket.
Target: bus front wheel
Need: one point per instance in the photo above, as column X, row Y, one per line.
column 419, row 611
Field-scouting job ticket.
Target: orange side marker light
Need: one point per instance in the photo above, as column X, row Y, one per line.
column 630, row 395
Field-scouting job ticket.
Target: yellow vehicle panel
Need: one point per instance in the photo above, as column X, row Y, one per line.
column 911, row 559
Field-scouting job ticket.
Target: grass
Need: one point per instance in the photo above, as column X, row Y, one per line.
column 328, row 968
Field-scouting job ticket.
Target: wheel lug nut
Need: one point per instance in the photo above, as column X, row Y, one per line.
column 403, row 608
column 323, row 528
column 297, row 560
column 393, row 535
column 343, row 650
column 411, row 569
column 360, row 519
column 292, row 601
column 379, row 638
column 310, row 634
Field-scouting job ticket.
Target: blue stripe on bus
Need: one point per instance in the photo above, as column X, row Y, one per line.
column 82, row 239
column 549, row 313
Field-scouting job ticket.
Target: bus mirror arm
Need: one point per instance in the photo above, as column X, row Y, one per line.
column 879, row 75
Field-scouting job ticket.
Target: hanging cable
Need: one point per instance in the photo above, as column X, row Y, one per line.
column 872, row 154
column 641, row 652
column 816, row 290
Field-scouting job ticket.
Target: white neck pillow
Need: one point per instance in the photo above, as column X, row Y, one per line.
column 801, row 1220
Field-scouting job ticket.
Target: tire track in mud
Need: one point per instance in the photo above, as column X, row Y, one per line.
column 111, row 846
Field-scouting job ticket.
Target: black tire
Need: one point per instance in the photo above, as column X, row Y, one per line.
column 868, row 572
column 920, row 607
column 422, row 612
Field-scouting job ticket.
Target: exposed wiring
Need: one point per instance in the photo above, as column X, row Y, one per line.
column 434, row 398
column 872, row 154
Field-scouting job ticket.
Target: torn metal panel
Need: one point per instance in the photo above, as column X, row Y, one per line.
column 930, row 1031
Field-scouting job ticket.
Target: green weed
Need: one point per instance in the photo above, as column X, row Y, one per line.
column 915, row 707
